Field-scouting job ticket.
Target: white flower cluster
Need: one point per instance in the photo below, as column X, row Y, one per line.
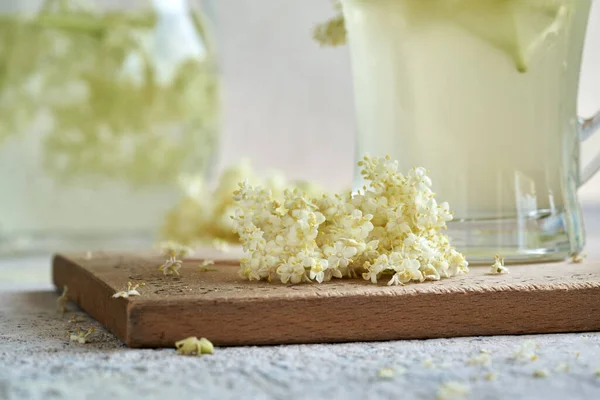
column 390, row 229
column 203, row 216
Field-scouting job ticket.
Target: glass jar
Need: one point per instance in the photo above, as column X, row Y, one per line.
column 104, row 108
column 484, row 95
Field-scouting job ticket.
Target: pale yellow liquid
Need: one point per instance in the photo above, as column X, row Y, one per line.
column 499, row 139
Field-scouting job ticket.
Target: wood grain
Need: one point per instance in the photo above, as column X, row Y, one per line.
column 534, row 298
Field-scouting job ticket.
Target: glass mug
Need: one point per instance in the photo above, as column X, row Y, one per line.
column 104, row 106
column 482, row 93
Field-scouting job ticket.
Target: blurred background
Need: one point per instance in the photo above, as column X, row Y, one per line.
column 103, row 110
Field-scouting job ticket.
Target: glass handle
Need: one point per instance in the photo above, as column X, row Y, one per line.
column 588, row 128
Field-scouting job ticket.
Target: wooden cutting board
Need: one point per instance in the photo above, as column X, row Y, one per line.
column 218, row 305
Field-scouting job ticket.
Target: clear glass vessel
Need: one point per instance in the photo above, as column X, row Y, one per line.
column 482, row 93
column 104, row 107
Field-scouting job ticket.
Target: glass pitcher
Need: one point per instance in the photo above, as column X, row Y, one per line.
column 482, row 93
column 104, row 106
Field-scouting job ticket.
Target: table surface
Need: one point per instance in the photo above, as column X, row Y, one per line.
column 37, row 361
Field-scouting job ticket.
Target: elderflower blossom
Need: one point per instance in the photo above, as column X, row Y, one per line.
column 80, row 336
column 203, row 215
column 194, row 346
column 130, row 291
column 171, row 266
column 498, row 267
column 392, row 229
column 339, row 255
column 173, row 251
